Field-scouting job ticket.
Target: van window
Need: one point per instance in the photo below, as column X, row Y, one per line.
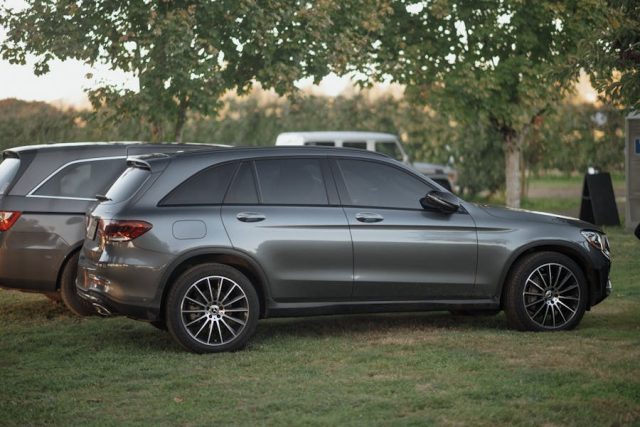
column 321, row 143
column 83, row 180
column 390, row 149
column 8, row 169
column 359, row 145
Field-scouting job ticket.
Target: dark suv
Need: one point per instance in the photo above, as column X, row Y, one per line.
column 209, row 243
column 45, row 191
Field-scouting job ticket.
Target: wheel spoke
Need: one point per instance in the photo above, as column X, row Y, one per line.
column 234, row 319
column 559, row 296
column 536, row 284
column 228, row 327
column 202, row 327
column 538, row 311
column 538, row 301
column 236, row 310
column 567, row 307
column 200, row 292
column 196, row 320
column 219, row 289
column 542, row 277
column 194, row 311
column 219, row 331
column 564, row 319
column 210, row 290
column 546, row 311
column 210, row 330
column 224, row 298
column 568, row 289
column 566, row 278
column 195, row 302
column 235, row 300
column 553, row 315
column 551, row 283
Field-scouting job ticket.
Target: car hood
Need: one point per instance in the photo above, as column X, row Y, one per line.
column 541, row 217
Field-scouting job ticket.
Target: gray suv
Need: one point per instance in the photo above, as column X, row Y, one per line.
column 209, row 243
column 45, row 191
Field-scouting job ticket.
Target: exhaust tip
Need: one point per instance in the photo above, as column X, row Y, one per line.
column 102, row 310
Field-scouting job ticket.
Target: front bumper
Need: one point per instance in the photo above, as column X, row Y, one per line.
column 598, row 276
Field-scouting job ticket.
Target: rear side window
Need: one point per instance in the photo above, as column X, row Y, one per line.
column 206, row 187
column 291, row 182
column 82, row 179
column 8, row 169
column 358, row 145
column 127, row 184
column 379, row 185
column 390, row 149
column 321, row 143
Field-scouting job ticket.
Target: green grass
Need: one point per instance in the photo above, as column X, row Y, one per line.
column 392, row 369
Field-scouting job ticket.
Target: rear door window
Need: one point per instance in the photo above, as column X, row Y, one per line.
column 358, row 145
column 207, row 187
column 8, row 169
column 390, row 149
column 83, row 179
column 291, row 182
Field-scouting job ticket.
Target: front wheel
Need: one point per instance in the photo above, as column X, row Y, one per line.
column 547, row 291
column 212, row 308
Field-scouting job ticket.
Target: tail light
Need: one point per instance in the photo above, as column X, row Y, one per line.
column 123, row 230
column 7, row 219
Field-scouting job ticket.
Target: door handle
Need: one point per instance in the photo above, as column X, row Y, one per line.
column 250, row 217
column 369, row 217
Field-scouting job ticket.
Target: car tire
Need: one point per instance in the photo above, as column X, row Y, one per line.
column 212, row 308
column 68, row 291
column 546, row 291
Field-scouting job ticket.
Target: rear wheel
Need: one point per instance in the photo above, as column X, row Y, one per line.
column 212, row 308
column 547, row 291
column 68, row 291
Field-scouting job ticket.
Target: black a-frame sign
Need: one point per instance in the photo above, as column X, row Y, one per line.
column 598, row 200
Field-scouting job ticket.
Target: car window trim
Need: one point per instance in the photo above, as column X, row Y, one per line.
column 52, row 174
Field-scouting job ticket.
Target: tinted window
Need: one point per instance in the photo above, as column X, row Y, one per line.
column 204, row 188
column 83, row 179
column 291, row 182
column 127, row 184
column 375, row 184
column 360, row 145
column 390, row 149
column 8, row 169
column 243, row 188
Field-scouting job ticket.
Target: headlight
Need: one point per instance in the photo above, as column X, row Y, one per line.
column 598, row 241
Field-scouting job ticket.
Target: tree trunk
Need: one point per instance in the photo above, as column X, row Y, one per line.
column 181, row 119
column 512, row 153
column 157, row 134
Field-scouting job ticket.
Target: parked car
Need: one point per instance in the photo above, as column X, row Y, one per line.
column 45, row 191
column 210, row 242
column 384, row 143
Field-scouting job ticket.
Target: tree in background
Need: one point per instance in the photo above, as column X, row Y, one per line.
column 186, row 54
column 500, row 64
column 611, row 54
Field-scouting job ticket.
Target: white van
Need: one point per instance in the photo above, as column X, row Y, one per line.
column 385, row 143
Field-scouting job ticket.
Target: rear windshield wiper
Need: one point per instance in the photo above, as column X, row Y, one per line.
column 102, row 198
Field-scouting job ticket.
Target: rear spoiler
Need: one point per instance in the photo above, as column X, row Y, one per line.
column 8, row 154
column 147, row 160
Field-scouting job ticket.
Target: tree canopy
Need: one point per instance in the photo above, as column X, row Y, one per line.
column 497, row 62
column 186, row 54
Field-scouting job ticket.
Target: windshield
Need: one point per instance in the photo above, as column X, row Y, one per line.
column 8, row 169
column 126, row 186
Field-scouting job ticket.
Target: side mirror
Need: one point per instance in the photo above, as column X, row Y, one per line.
column 442, row 201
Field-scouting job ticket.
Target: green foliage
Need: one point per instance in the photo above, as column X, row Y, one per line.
column 611, row 53
column 186, row 54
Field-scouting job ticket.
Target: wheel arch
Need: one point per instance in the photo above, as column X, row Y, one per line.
column 234, row 258
column 573, row 251
column 65, row 260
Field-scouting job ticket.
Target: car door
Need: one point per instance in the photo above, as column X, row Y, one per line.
column 402, row 251
column 281, row 212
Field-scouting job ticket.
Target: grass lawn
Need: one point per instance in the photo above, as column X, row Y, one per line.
column 407, row 369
